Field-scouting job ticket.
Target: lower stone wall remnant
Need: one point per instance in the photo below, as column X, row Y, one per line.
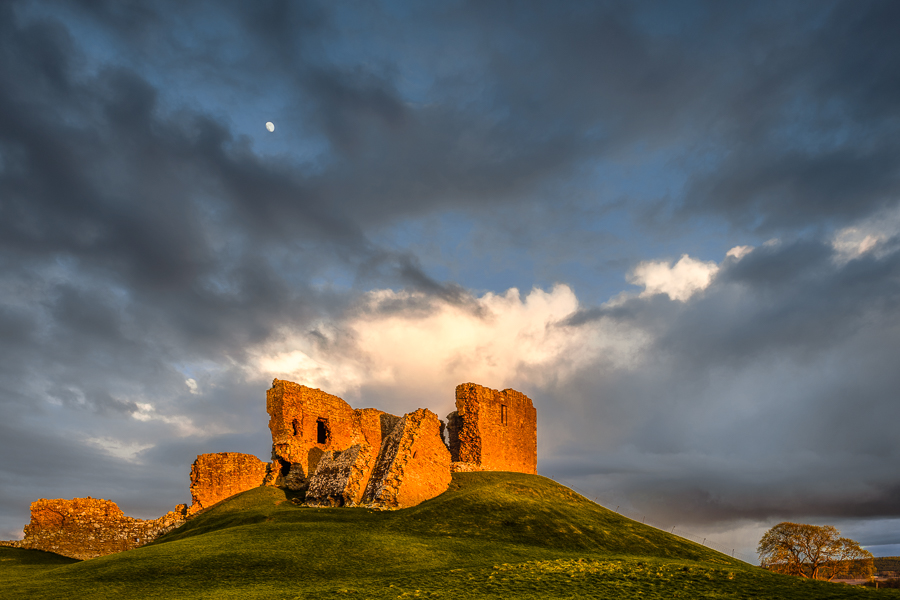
column 85, row 528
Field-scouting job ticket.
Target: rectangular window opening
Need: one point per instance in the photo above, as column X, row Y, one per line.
column 504, row 414
column 322, row 431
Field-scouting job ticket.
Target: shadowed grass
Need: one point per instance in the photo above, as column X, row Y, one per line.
column 16, row 563
column 489, row 535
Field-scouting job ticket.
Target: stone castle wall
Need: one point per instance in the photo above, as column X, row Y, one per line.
column 376, row 459
column 306, row 423
column 85, row 528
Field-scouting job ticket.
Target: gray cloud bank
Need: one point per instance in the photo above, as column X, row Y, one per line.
column 771, row 396
column 149, row 236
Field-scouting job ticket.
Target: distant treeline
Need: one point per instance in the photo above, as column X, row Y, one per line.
column 888, row 565
column 885, row 566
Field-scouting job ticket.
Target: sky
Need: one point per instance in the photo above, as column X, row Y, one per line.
column 673, row 225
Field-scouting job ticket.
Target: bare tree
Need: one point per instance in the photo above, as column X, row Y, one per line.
column 812, row 551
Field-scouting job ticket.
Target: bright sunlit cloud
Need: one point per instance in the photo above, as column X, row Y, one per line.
column 679, row 281
column 739, row 252
column 183, row 425
column 511, row 339
column 502, row 339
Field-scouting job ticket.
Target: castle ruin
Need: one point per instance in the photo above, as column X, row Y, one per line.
column 328, row 453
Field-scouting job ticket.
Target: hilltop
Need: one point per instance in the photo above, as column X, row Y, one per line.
column 491, row 534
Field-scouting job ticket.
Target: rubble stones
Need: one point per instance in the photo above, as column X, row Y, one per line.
column 493, row 430
column 215, row 477
column 465, row 467
column 341, row 477
column 85, row 528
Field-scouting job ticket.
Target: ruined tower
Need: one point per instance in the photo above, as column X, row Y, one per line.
column 493, row 430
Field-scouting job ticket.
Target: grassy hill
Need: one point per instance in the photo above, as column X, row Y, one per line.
column 489, row 535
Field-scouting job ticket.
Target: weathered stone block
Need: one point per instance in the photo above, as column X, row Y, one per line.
column 215, row 477
column 493, row 430
column 413, row 465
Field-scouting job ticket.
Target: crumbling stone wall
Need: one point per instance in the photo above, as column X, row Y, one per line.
column 411, row 466
column 365, row 456
column 215, row 477
column 493, row 430
column 85, row 528
column 306, row 423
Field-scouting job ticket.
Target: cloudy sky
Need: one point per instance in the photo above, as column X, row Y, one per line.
column 673, row 225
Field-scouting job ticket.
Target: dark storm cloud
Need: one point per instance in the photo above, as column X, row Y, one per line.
column 769, row 396
column 813, row 134
column 105, row 181
column 785, row 298
column 565, row 87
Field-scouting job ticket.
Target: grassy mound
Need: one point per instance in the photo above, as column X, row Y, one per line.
column 538, row 512
column 490, row 534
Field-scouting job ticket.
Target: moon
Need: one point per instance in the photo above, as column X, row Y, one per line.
column 270, row 126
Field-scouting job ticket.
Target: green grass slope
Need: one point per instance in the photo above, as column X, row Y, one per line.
column 489, row 535
column 17, row 563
